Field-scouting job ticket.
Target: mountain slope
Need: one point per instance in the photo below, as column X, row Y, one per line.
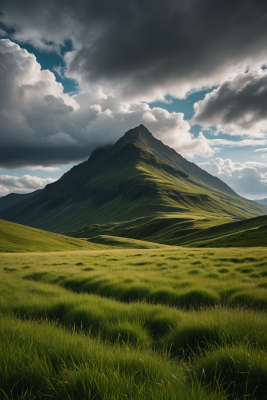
column 13, row 198
column 131, row 187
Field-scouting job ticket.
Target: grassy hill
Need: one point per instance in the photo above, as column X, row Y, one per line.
column 129, row 190
column 15, row 238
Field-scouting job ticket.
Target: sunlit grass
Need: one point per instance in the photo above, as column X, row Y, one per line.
column 138, row 324
column 180, row 278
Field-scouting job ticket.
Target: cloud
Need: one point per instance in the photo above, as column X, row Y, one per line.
column 248, row 179
column 23, row 184
column 38, row 168
column 112, row 119
column 34, row 111
column 240, row 143
column 43, row 126
column 142, row 52
column 236, row 107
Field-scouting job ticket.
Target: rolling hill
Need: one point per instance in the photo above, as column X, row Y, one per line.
column 15, row 238
column 138, row 188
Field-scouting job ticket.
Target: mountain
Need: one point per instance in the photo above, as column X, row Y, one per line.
column 13, row 198
column 137, row 188
column 262, row 201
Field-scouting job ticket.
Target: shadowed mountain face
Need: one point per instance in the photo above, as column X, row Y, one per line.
column 134, row 182
column 145, row 141
column 14, row 198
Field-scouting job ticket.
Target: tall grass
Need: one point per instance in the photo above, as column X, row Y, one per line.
column 108, row 325
column 40, row 360
column 164, row 276
column 240, row 371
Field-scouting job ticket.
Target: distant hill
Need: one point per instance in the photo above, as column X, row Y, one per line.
column 263, row 201
column 137, row 188
column 13, row 198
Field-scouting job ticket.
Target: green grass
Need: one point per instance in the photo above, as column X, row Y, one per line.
column 134, row 323
column 241, row 371
column 45, row 361
column 186, row 278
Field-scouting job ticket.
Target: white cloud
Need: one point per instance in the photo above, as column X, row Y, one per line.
column 38, row 168
column 248, row 179
column 23, row 184
column 112, row 118
column 41, row 168
column 240, row 143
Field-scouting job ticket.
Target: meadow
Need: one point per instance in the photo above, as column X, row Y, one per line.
column 163, row 323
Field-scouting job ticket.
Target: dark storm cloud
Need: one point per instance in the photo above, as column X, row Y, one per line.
column 124, row 53
column 15, row 156
column 238, row 105
column 36, row 125
column 142, row 45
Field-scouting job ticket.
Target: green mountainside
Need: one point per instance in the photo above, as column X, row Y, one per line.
column 138, row 188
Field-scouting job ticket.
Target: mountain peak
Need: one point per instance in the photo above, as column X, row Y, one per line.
column 140, row 130
column 138, row 136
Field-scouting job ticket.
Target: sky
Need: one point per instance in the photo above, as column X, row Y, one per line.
column 78, row 74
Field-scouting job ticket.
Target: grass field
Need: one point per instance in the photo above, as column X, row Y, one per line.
column 165, row 323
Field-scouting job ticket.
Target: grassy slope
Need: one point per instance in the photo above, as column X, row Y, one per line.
column 15, row 238
column 68, row 327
